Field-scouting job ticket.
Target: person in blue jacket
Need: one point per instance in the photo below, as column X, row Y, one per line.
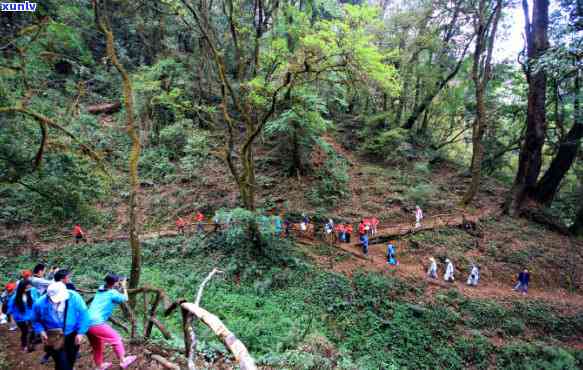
column 61, row 309
column 391, row 255
column 100, row 333
column 20, row 307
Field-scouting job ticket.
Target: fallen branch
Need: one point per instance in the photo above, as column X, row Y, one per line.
column 104, row 108
column 234, row 345
column 162, row 361
column 202, row 285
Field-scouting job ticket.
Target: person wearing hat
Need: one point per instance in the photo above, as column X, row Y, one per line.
column 432, row 271
column 449, row 271
column 61, row 319
column 100, row 333
column 5, row 317
column 474, row 276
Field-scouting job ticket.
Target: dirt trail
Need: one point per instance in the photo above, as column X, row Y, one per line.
column 412, row 267
column 18, row 360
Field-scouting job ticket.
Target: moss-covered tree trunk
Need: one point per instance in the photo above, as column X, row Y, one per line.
column 133, row 133
column 530, row 158
column 481, row 68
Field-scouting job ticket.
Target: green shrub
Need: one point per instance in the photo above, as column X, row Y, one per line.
column 421, row 193
column 386, row 144
column 533, row 356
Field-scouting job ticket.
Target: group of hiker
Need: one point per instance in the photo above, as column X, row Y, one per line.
column 449, row 272
column 47, row 309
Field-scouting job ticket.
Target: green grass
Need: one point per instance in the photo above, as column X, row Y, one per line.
column 293, row 315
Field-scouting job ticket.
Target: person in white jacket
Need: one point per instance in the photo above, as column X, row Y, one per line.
column 449, row 271
column 474, row 276
column 432, row 271
column 418, row 216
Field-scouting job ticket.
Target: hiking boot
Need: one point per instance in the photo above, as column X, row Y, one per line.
column 127, row 362
column 45, row 359
column 104, row 366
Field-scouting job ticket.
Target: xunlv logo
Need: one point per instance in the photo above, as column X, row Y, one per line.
column 18, row 7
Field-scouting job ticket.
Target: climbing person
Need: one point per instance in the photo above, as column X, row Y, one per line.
column 64, row 276
column 7, row 294
column 391, row 255
column 100, row 333
column 20, row 307
column 37, row 279
column 523, row 280
column 432, row 271
column 61, row 319
column 449, row 271
column 418, row 216
column 180, row 224
column 199, row 218
column 79, row 234
column 363, row 237
column 474, row 276
column 374, row 222
column 348, row 232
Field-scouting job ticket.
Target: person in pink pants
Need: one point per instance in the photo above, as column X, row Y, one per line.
column 100, row 333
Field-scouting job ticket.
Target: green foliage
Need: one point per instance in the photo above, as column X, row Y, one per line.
column 534, row 356
column 333, row 180
column 386, row 144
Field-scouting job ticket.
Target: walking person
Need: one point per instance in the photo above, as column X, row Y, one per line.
column 362, row 232
column 180, row 224
column 20, row 307
column 374, row 222
column 286, row 227
column 348, row 232
column 277, row 226
column 449, row 271
column 100, row 333
column 342, row 233
column 79, row 234
column 199, row 222
column 61, row 318
column 7, row 294
column 474, row 276
column 523, row 280
column 64, row 276
column 432, row 271
column 418, row 216
column 391, row 255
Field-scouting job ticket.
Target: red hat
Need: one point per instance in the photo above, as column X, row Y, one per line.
column 26, row 274
column 10, row 286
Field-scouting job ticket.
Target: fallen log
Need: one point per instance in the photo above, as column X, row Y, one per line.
column 104, row 108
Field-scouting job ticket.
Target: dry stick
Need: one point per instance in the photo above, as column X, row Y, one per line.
column 153, row 309
column 234, row 345
column 145, row 301
column 204, row 282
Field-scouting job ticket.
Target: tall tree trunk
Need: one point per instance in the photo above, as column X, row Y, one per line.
column 547, row 187
column 481, row 76
column 104, row 27
column 530, row 158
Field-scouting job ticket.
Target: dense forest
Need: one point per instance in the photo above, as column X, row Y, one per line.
column 130, row 117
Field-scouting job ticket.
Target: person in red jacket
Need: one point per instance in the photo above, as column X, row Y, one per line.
column 348, row 229
column 180, row 224
column 362, row 232
column 199, row 218
column 79, row 234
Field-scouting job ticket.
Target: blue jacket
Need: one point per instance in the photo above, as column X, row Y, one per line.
column 103, row 305
column 77, row 315
column 28, row 310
